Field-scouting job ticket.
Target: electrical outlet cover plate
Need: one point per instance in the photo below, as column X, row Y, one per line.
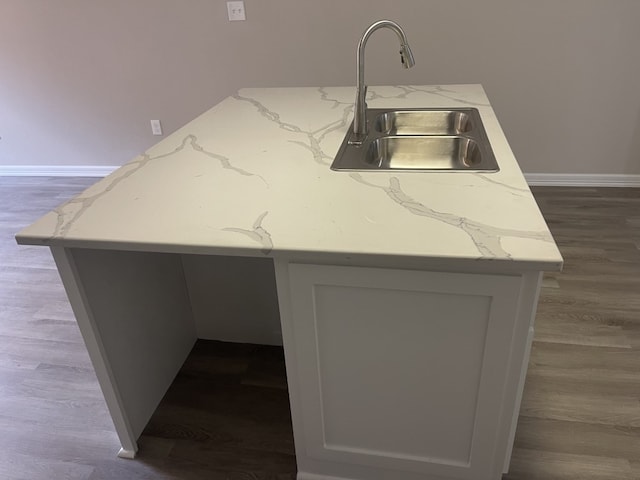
column 156, row 127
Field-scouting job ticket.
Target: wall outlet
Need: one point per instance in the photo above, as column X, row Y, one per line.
column 156, row 127
column 236, row 11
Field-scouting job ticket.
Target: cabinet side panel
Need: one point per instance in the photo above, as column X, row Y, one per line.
column 141, row 311
column 519, row 361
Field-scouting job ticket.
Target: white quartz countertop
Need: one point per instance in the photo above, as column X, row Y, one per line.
column 251, row 177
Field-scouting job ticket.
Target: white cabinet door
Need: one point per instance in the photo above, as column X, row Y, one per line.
column 397, row 373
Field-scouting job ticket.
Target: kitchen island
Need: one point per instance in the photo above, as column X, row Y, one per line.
column 404, row 301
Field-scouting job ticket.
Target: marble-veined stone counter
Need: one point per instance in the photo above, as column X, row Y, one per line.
column 251, row 177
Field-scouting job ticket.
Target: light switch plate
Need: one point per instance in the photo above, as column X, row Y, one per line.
column 236, row 11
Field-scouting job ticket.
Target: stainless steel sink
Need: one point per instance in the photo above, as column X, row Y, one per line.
column 418, row 140
column 424, row 122
column 420, row 153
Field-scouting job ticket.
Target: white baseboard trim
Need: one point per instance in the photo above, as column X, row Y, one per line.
column 55, row 170
column 581, row 180
column 533, row 179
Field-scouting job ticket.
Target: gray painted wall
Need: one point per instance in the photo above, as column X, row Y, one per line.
column 80, row 80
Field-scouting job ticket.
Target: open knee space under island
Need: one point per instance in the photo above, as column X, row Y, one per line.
column 404, row 300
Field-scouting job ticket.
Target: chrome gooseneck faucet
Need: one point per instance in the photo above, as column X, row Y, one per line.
column 360, row 117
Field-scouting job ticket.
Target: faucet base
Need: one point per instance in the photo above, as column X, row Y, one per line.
column 357, row 139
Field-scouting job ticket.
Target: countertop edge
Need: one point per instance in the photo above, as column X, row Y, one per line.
column 407, row 262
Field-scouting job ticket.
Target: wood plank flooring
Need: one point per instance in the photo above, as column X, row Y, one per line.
column 227, row 417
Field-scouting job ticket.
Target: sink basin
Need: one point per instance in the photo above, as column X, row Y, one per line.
column 424, row 153
column 419, row 140
column 424, row 122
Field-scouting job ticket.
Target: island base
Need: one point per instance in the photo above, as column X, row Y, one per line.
column 392, row 373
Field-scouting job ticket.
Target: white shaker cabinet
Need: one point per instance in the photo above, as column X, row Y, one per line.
column 404, row 374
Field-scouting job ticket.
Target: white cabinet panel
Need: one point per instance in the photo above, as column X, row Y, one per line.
column 398, row 371
column 233, row 299
column 434, row 373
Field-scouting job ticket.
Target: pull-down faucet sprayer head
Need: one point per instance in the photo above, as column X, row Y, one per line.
column 406, row 56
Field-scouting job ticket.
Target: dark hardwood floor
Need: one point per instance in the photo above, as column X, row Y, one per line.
column 226, row 415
